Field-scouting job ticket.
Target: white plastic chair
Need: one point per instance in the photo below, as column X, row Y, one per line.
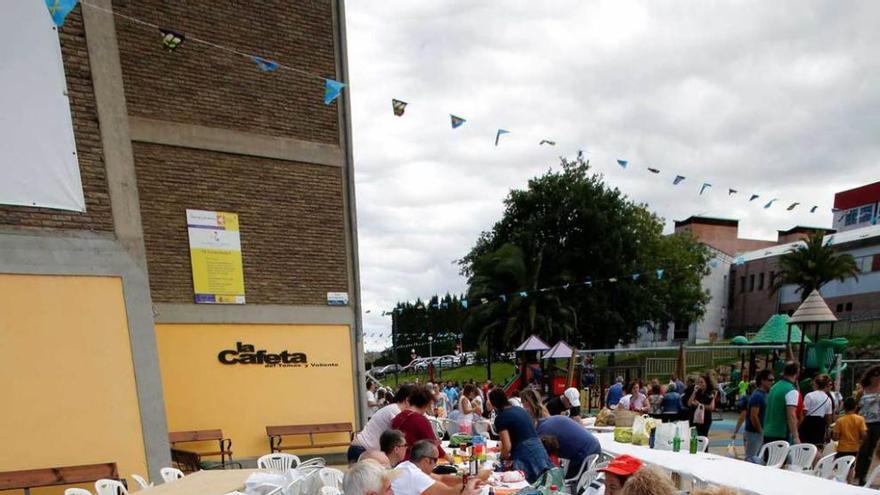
column 331, row 477
column 872, row 477
column 588, row 476
column 278, row 461
column 824, row 467
column 702, row 444
column 142, row 483
column 110, row 487
column 170, row 474
column 801, row 457
column 330, row 490
column 585, row 466
column 77, row 491
column 840, row 471
column 482, row 427
column 449, row 425
column 313, row 462
column 777, row 452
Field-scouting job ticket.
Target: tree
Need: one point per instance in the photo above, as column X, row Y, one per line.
column 568, row 227
column 813, row 264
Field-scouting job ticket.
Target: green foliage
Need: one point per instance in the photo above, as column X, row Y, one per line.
column 813, row 264
column 440, row 317
column 477, row 372
column 566, row 227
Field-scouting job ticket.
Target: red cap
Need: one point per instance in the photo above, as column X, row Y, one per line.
column 623, row 465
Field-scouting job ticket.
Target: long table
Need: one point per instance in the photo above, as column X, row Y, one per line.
column 734, row 473
column 208, row 482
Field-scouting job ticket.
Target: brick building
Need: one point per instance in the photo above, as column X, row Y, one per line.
column 157, row 133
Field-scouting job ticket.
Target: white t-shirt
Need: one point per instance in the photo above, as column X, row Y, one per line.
column 411, row 481
column 817, row 403
column 371, row 397
column 624, row 401
column 792, row 397
column 368, row 438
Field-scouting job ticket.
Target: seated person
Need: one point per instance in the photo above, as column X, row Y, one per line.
column 376, row 456
column 617, row 473
column 393, row 445
column 415, row 476
column 366, row 478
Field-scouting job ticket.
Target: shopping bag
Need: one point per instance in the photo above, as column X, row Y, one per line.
column 664, row 435
column 700, row 415
column 640, row 433
column 731, row 451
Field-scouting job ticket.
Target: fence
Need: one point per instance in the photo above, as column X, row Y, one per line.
column 694, row 357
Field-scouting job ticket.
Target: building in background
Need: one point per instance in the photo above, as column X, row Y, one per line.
column 115, row 342
column 856, row 208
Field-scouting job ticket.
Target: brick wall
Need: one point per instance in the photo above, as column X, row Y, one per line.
column 97, row 216
column 750, row 306
column 201, row 85
column 291, row 217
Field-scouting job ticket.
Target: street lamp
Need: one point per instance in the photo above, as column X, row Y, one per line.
column 430, row 346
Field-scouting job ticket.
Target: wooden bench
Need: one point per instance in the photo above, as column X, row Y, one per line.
column 64, row 475
column 191, row 460
column 277, row 433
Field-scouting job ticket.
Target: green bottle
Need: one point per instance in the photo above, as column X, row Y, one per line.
column 693, row 448
column 676, row 441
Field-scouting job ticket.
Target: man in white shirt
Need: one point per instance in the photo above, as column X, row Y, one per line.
column 414, row 476
column 372, row 401
column 368, row 438
column 366, row 478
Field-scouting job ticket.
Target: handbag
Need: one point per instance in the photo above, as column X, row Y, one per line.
column 700, row 415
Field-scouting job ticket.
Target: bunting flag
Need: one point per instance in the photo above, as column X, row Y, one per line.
column 792, row 206
column 740, row 261
column 524, row 294
column 332, row 89
column 754, row 197
column 399, row 106
column 456, row 121
column 654, row 170
column 612, row 280
column 588, row 282
column 59, row 9
column 498, row 135
column 677, row 180
column 731, row 192
column 659, row 273
column 483, row 300
column 503, row 298
column 769, row 203
column 713, row 263
column 464, row 303
column 635, row 276
column 265, row 65
column 171, row 40
column 813, row 209
column 547, row 141
column 706, row 185
column 622, row 163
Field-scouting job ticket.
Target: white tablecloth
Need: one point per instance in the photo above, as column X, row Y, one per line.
column 732, row 472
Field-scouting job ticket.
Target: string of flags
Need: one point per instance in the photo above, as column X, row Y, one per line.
column 172, row 40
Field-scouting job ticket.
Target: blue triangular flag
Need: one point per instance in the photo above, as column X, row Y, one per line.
column 503, row 298
column 265, row 65
column 464, row 303
column 813, row 209
column 59, row 9
column 677, row 180
column 740, row 261
column 792, row 206
column 524, row 294
column 622, row 163
column 659, row 273
column 498, row 135
column 456, row 121
column 612, row 280
column 331, row 90
column 483, row 300
column 754, row 197
column 635, row 276
column 705, row 186
column 713, row 263
column 654, row 170
column 731, row 191
column 769, row 203
column 588, row 282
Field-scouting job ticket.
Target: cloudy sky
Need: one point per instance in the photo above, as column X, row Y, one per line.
column 777, row 98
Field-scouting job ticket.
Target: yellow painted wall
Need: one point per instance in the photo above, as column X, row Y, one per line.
column 68, row 393
column 242, row 399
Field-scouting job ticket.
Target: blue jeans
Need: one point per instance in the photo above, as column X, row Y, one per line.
column 753, row 442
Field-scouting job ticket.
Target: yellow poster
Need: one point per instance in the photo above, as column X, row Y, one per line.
column 215, row 254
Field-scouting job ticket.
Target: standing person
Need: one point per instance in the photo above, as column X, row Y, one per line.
column 679, row 385
column 655, row 399
column 869, row 408
column 451, row 395
column 368, row 438
column 634, row 400
column 574, row 442
column 742, row 407
column 850, row 430
column 753, row 436
column 671, row 403
column 468, row 410
column 519, row 439
column 818, row 409
column 780, row 416
column 569, row 404
column 412, row 421
column 615, row 392
column 372, row 400
column 704, row 395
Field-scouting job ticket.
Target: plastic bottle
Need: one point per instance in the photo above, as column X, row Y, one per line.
column 693, row 446
column 676, row 442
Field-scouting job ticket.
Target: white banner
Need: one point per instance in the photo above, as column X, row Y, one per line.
column 38, row 162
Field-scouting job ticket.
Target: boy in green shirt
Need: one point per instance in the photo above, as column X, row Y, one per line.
column 780, row 420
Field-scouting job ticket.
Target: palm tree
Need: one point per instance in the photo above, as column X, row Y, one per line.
column 813, row 264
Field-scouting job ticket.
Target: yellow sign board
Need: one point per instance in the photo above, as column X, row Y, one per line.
column 215, row 254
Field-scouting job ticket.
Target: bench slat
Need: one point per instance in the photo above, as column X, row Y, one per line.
column 307, row 429
column 65, row 475
column 194, row 435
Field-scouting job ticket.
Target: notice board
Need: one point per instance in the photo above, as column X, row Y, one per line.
column 215, row 254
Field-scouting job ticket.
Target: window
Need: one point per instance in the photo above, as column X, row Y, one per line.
column 851, row 217
column 742, row 284
column 751, row 282
column 875, row 266
column 866, row 213
column 839, row 308
column 772, row 278
column 865, row 264
column 761, row 281
column 849, row 306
